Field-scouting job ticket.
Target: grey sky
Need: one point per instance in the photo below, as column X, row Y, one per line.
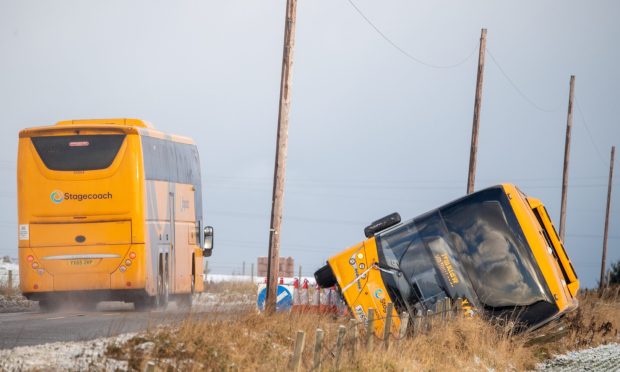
column 371, row 132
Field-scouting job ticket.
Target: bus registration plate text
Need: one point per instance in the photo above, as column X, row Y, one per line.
column 81, row 262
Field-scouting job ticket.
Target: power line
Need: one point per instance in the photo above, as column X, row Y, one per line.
column 516, row 88
column 585, row 124
column 401, row 50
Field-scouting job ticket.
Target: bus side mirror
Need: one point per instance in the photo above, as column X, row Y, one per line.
column 207, row 247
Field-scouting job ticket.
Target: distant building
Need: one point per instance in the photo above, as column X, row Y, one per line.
column 286, row 269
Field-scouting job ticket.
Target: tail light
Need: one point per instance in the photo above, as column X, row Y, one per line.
column 30, row 258
column 132, row 255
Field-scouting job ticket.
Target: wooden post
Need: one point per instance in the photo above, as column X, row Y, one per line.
column 370, row 329
column 339, row 344
column 10, row 281
column 299, row 349
column 353, row 337
column 243, row 269
column 569, row 125
column 429, row 320
column 611, row 176
column 458, row 307
column 318, row 347
column 417, row 325
column 280, row 161
column 150, row 366
column 441, row 310
column 477, row 103
column 404, row 322
column 448, row 308
column 387, row 327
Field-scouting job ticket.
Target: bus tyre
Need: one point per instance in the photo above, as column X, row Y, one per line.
column 325, row 277
column 145, row 304
column 48, row 306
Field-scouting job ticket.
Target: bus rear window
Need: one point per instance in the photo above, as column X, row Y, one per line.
column 78, row 152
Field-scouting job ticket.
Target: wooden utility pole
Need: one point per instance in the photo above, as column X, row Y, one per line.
column 281, row 150
column 474, row 132
column 602, row 282
column 569, row 125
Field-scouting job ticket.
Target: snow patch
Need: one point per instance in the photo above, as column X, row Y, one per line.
column 67, row 356
column 601, row 358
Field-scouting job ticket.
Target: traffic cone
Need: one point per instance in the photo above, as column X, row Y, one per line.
column 303, row 296
column 316, row 299
column 296, row 303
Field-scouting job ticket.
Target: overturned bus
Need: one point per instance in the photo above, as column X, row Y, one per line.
column 495, row 249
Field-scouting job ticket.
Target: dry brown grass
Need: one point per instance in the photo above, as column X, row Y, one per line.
column 8, row 292
column 595, row 322
column 253, row 342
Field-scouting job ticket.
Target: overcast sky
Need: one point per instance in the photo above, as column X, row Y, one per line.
column 371, row 130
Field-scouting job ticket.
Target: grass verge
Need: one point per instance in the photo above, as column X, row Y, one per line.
column 254, row 342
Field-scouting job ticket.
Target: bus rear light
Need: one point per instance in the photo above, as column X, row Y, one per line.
column 132, row 255
column 35, row 265
column 122, row 269
column 40, row 272
column 128, row 262
column 30, row 258
column 36, row 286
column 79, row 144
column 128, row 284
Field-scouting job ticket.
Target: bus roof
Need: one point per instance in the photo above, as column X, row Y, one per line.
column 121, row 121
column 125, row 125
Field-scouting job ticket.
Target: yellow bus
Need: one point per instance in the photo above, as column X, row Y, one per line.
column 496, row 250
column 109, row 209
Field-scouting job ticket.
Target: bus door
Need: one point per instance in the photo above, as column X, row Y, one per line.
column 172, row 254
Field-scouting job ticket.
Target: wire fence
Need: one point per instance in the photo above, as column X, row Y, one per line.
column 377, row 332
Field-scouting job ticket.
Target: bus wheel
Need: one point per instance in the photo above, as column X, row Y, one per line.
column 48, row 306
column 86, row 305
column 325, row 277
column 145, row 304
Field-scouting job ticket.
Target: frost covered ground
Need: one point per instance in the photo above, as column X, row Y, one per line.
column 67, row 356
column 602, row 358
column 12, row 301
column 5, row 267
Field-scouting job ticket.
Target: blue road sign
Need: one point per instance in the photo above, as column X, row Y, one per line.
column 284, row 301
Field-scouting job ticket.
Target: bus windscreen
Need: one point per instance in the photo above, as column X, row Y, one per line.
column 78, row 152
column 471, row 249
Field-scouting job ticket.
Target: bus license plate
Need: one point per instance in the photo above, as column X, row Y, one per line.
column 80, row 262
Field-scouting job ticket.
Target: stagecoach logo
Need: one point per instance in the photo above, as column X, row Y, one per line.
column 57, row 196
column 379, row 293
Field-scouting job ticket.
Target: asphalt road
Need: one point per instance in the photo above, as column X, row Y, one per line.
column 109, row 319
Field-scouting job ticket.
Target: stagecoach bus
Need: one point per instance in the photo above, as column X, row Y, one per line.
column 109, row 209
column 496, row 250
